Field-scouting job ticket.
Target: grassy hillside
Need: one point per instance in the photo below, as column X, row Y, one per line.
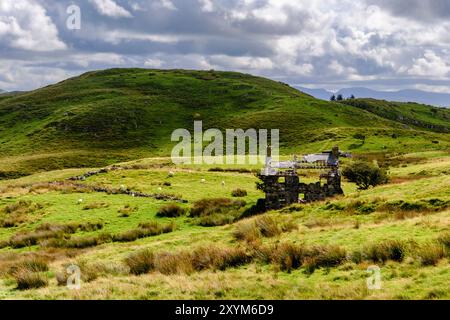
column 412, row 114
column 402, row 227
column 108, row 116
column 112, row 226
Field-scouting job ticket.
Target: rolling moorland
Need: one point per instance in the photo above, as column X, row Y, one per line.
column 143, row 228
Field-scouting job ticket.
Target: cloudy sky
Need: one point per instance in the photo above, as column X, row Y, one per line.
column 380, row 44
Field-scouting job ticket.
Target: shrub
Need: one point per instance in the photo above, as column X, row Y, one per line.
column 27, row 279
column 365, row 174
column 430, row 254
column 239, row 193
column 171, row 211
column 388, row 250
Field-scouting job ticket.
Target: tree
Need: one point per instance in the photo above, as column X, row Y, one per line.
column 339, row 97
column 365, row 174
column 352, row 97
column 333, row 98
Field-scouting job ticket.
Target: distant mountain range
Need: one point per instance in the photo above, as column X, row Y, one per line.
column 431, row 98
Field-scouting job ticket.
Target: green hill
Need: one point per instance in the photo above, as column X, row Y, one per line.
column 416, row 115
column 112, row 115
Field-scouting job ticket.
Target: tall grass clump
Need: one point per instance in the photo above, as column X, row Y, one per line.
column 239, row 193
column 186, row 261
column 27, row 279
column 430, row 253
column 140, row 262
column 144, row 230
column 263, row 226
column 206, row 207
column 171, row 211
column 34, row 264
column 387, row 250
column 217, row 211
column 444, row 239
column 289, row 256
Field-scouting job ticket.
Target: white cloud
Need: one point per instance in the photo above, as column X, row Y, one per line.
column 24, row 24
column 206, row 5
column 168, row 4
column 334, row 42
column 153, row 63
column 430, row 65
column 110, row 8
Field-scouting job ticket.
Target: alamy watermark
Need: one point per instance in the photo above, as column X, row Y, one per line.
column 374, row 280
column 73, row 21
column 241, row 146
column 74, row 278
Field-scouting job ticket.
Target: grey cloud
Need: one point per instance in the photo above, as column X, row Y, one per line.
column 428, row 10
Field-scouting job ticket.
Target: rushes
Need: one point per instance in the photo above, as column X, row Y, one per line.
column 144, row 230
column 170, row 211
column 430, row 254
column 215, row 258
column 29, row 274
column 388, row 250
column 29, row 280
column 263, row 226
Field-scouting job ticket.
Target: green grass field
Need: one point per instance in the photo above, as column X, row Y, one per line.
column 127, row 249
column 343, row 221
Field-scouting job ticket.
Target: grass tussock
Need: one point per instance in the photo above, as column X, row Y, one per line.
column 126, row 211
column 35, row 264
column 400, row 209
column 431, row 253
column 263, row 226
column 206, row 207
column 144, row 230
column 217, row 211
column 289, row 256
column 17, row 213
column 203, row 258
column 48, row 231
column 171, row 211
column 394, row 250
column 96, row 205
column 444, row 239
column 27, row 279
column 239, row 193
